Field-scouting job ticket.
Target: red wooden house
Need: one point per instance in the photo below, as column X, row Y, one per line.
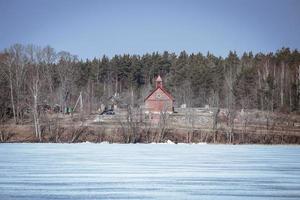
column 159, row 100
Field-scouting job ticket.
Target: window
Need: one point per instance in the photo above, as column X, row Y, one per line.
column 158, row 96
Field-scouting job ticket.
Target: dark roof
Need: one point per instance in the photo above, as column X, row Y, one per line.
column 167, row 93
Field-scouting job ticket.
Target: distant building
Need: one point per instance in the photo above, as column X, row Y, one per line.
column 115, row 102
column 159, row 100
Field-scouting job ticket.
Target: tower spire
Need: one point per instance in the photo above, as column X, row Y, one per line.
column 159, row 82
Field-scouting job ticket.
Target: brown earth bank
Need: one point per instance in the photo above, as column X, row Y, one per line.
column 77, row 134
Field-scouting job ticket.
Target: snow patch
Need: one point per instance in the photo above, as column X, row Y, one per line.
column 170, row 142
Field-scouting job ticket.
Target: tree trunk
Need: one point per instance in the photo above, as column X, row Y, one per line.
column 298, row 88
column 116, row 90
column 282, row 85
column 273, row 90
column 132, row 96
column 36, row 119
column 12, row 96
column 260, row 90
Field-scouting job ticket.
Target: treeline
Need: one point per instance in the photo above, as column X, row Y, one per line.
column 32, row 76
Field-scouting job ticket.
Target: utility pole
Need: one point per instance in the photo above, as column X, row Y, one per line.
column 79, row 100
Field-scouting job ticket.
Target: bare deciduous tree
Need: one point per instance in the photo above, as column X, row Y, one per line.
column 163, row 124
column 67, row 75
column 34, row 85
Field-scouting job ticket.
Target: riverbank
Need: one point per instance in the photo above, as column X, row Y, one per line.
column 98, row 134
column 184, row 126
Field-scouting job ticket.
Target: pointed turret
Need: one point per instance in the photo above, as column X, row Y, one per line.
column 159, row 82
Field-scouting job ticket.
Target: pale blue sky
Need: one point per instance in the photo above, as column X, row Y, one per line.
column 95, row 27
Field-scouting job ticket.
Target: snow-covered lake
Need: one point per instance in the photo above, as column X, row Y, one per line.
column 148, row 171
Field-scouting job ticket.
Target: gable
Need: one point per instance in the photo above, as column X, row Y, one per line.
column 159, row 94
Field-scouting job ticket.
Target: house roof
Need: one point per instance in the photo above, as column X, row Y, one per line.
column 167, row 93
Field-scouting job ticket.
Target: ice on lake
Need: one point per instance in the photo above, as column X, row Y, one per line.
column 148, row 171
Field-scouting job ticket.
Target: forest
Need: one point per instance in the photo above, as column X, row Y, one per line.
column 32, row 76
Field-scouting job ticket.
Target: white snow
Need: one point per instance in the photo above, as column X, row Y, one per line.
column 170, row 142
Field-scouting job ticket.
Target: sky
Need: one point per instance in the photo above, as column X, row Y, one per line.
column 92, row 28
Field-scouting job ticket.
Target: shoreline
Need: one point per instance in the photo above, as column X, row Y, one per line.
column 117, row 135
column 190, row 144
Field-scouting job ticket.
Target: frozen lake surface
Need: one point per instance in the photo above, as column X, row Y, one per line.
column 148, row 171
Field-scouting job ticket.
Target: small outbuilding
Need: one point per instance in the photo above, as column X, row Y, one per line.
column 159, row 100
